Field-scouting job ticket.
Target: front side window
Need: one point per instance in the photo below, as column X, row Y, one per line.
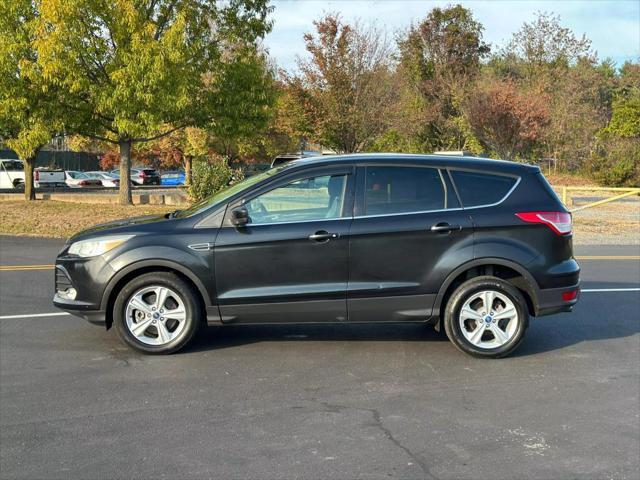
column 392, row 190
column 315, row 198
column 13, row 166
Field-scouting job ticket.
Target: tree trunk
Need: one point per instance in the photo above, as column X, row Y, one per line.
column 125, row 172
column 29, row 187
column 188, row 160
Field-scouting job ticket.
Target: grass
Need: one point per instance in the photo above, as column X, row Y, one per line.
column 48, row 218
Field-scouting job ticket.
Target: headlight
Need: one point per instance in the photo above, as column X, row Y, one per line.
column 97, row 246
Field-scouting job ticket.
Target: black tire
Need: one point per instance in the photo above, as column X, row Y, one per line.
column 457, row 301
column 190, row 298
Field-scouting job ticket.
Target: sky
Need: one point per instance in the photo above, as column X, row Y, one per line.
column 612, row 26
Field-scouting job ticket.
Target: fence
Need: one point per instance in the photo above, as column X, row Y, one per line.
column 625, row 192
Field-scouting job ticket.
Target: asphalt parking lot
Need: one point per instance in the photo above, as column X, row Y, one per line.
column 359, row 401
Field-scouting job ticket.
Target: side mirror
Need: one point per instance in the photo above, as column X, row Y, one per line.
column 240, row 216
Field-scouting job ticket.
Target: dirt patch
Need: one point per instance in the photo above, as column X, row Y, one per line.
column 615, row 223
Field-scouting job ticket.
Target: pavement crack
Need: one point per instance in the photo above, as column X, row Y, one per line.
column 377, row 422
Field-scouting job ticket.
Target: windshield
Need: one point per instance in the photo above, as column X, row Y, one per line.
column 77, row 175
column 228, row 192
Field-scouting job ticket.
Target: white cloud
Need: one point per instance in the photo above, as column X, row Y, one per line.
column 612, row 26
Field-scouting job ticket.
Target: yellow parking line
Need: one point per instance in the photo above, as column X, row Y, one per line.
column 12, row 268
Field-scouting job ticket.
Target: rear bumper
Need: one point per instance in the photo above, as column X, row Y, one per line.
column 550, row 300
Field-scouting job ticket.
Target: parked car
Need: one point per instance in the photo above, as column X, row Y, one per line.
column 173, row 178
column 76, row 179
column 108, row 180
column 142, row 176
column 11, row 174
column 288, row 157
column 48, row 177
column 472, row 246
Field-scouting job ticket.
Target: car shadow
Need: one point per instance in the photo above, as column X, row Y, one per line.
column 597, row 316
column 226, row 336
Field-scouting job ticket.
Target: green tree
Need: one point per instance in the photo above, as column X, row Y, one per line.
column 439, row 59
column 138, row 70
column 28, row 106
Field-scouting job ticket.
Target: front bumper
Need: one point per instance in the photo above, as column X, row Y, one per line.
column 88, row 276
column 81, row 309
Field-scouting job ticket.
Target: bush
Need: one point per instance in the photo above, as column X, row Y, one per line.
column 210, row 176
column 615, row 162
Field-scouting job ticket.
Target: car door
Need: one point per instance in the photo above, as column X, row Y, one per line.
column 289, row 263
column 408, row 234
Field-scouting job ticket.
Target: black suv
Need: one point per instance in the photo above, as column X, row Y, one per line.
column 474, row 246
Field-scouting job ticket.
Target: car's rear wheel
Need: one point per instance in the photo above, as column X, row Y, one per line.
column 486, row 317
column 157, row 313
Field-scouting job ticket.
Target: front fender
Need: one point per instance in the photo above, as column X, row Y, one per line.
column 195, row 266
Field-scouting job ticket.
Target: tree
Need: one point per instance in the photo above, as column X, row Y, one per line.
column 138, row 70
column 505, row 120
column 344, row 88
column 542, row 46
column 27, row 105
column 180, row 148
column 440, row 58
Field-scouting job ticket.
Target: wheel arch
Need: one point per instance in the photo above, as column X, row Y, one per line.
column 136, row 269
column 498, row 267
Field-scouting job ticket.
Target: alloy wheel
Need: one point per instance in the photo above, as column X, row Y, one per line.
column 488, row 319
column 155, row 315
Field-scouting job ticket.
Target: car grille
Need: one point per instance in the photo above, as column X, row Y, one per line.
column 62, row 280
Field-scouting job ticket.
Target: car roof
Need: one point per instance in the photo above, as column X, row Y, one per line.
column 463, row 162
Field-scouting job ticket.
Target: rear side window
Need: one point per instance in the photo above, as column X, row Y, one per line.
column 392, row 190
column 148, row 171
column 477, row 189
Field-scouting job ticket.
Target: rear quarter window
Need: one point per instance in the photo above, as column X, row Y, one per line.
column 476, row 189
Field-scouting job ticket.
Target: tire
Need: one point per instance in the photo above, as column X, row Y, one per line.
column 499, row 331
column 161, row 328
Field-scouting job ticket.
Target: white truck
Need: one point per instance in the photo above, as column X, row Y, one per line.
column 12, row 175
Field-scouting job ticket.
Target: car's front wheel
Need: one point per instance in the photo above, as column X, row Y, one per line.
column 157, row 313
column 486, row 317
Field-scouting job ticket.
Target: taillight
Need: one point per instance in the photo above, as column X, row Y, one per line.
column 142, row 174
column 570, row 295
column 82, row 182
column 559, row 222
column 37, row 175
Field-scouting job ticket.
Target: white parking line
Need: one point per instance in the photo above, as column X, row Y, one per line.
column 55, row 314
column 589, row 290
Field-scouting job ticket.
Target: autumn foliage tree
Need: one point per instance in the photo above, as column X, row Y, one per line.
column 507, row 121
column 344, row 87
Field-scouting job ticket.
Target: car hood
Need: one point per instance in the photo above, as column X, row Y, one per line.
column 117, row 226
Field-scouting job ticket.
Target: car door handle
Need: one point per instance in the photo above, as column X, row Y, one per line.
column 323, row 236
column 444, row 227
